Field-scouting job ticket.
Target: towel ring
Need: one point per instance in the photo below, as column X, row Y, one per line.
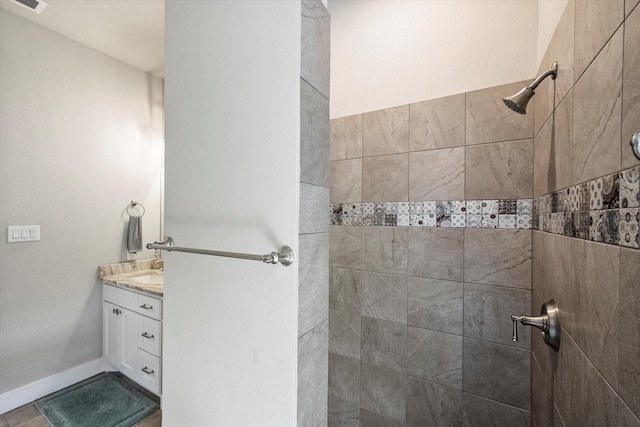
column 132, row 205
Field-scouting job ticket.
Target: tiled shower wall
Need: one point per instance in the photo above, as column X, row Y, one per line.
column 313, row 241
column 419, row 327
column 585, row 249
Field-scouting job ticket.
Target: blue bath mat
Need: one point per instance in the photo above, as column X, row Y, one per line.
column 102, row 401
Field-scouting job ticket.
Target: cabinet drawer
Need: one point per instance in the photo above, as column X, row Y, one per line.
column 120, row 297
column 150, row 335
column 149, row 306
column 149, row 371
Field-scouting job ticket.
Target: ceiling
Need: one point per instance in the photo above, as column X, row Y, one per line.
column 129, row 30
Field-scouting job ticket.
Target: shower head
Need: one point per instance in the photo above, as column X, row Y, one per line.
column 519, row 101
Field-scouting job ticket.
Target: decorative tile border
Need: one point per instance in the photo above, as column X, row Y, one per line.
column 603, row 210
column 511, row 213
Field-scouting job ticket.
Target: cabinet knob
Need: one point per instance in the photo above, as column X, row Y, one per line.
column 147, row 371
column 146, row 335
column 116, row 311
column 146, row 307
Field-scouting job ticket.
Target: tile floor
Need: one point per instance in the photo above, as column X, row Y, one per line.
column 29, row 416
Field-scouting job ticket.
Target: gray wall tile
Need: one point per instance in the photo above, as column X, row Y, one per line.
column 344, row 290
column 343, row 413
column 498, row 257
column 487, row 311
column 385, row 178
column 313, row 385
column 313, row 284
column 385, row 249
column 544, row 355
column 345, row 246
column 385, row 131
column 437, row 123
column 543, row 101
column 436, row 253
column 629, row 5
column 553, row 151
column 344, row 378
column 564, row 365
column 541, row 397
column 596, row 273
column 489, row 120
column 593, row 401
column 314, row 136
column 313, row 209
column 626, row 418
column 432, row 405
column 371, row 419
column 383, row 391
column 552, row 274
column 435, row 356
column 631, row 88
column 346, row 181
column 383, row 344
column 544, row 160
column 500, row 171
column 595, row 22
column 561, row 50
column 435, row 304
column 344, row 334
column 437, row 174
column 384, row 296
column 629, row 329
column 557, row 419
column 316, row 40
column 497, row 372
column 597, row 112
column 479, row 412
column 346, row 138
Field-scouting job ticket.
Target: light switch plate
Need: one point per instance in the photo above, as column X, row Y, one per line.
column 23, row 233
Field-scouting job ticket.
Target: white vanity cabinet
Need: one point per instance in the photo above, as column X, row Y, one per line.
column 132, row 335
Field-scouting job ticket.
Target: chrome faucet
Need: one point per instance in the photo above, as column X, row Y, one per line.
column 548, row 322
column 158, row 263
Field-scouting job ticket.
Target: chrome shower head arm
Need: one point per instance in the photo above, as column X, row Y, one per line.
column 553, row 72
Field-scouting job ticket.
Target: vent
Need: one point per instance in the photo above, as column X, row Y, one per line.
column 36, row 5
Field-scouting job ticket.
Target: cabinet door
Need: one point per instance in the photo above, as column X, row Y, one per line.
column 110, row 334
column 129, row 343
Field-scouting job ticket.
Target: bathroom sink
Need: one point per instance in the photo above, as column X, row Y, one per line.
column 148, row 279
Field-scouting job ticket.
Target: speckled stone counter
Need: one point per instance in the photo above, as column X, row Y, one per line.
column 134, row 275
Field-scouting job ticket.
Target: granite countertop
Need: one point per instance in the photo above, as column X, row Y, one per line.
column 134, row 275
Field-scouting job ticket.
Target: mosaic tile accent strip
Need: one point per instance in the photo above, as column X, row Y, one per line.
column 512, row 213
column 605, row 210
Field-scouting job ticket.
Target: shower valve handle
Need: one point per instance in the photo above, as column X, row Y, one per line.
column 548, row 322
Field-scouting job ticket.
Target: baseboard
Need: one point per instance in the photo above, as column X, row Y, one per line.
column 30, row 392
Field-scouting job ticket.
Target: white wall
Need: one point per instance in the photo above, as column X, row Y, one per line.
column 232, row 77
column 389, row 53
column 80, row 137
